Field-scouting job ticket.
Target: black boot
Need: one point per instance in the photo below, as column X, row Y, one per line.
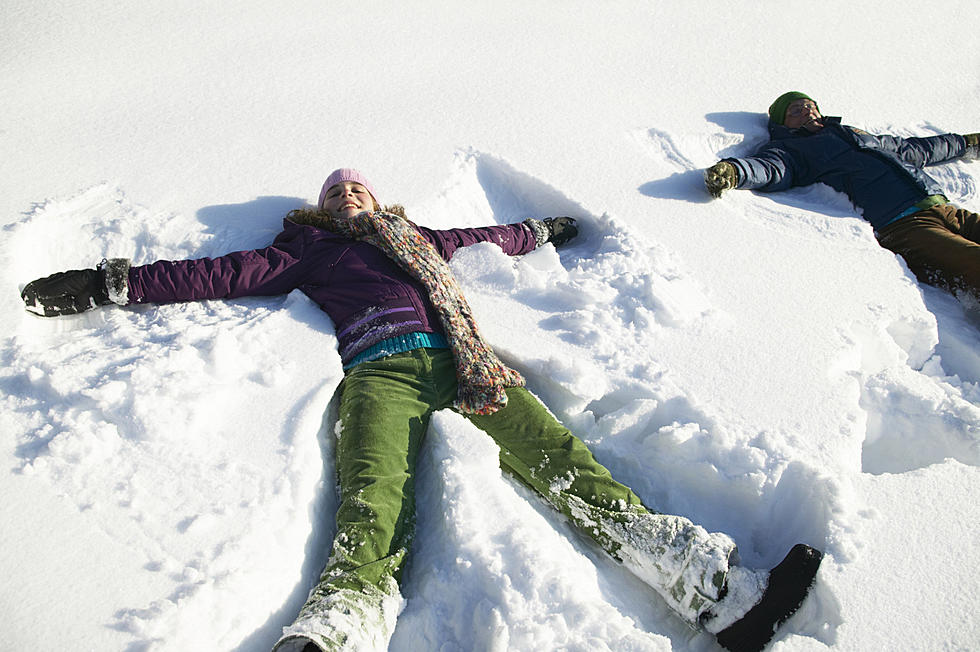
column 789, row 583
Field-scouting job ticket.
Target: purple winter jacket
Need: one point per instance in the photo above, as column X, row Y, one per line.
column 366, row 294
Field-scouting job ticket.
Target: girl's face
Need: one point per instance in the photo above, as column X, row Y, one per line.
column 347, row 199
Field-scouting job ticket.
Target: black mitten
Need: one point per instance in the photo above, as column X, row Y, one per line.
column 560, row 229
column 78, row 290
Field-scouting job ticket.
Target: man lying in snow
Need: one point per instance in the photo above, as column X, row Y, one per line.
column 883, row 177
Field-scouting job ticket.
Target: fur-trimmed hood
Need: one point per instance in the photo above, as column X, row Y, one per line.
column 309, row 217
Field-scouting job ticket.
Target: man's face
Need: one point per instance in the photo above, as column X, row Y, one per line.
column 803, row 113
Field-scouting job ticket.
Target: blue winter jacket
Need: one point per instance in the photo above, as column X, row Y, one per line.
column 882, row 175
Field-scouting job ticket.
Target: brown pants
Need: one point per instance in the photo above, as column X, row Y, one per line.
column 941, row 245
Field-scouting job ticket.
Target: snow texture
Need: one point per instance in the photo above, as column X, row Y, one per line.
column 755, row 363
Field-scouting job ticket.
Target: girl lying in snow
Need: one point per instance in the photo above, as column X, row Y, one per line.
column 410, row 346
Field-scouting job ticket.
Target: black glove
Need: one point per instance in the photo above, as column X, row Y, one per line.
column 720, row 177
column 66, row 293
column 560, row 229
column 972, row 145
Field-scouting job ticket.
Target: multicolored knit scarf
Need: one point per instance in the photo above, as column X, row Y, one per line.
column 481, row 375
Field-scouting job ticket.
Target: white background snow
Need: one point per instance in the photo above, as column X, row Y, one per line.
column 756, row 363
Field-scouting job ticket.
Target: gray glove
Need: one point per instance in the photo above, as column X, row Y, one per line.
column 556, row 230
column 560, row 229
column 720, row 177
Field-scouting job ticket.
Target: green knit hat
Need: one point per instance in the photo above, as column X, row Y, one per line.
column 777, row 110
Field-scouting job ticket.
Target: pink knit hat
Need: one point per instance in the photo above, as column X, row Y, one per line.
column 346, row 174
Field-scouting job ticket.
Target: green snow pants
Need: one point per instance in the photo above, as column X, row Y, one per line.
column 385, row 408
column 941, row 245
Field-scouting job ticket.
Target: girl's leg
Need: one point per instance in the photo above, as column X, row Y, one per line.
column 385, row 407
column 682, row 561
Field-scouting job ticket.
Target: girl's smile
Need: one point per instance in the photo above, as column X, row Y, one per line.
column 347, row 199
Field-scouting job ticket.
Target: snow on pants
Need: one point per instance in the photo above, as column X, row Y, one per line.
column 941, row 245
column 384, row 411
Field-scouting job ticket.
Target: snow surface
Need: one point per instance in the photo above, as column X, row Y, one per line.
column 756, row 363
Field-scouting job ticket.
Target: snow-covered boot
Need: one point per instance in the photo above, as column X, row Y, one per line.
column 344, row 620
column 788, row 585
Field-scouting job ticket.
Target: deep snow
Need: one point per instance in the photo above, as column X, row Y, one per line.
column 756, row 363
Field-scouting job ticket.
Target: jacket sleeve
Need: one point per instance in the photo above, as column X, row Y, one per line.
column 277, row 269
column 921, row 152
column 771, row 169
column 514, row 239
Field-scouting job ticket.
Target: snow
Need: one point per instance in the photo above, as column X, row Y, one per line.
column 756, row 363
